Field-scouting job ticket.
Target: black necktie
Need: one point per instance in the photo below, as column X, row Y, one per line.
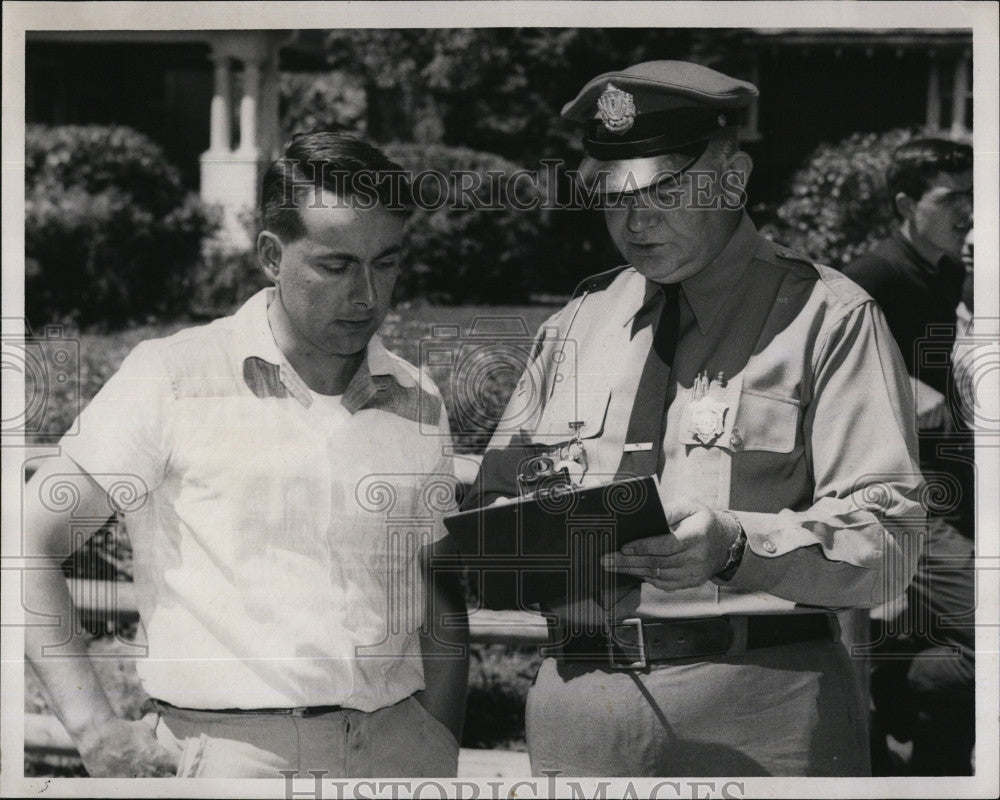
column 649, row 409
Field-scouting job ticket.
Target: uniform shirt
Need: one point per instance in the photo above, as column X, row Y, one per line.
column 275, row 543
column 817, row 449
column 914, row 294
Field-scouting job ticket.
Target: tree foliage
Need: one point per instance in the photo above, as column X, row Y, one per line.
column 497, row 90
column 839, row 206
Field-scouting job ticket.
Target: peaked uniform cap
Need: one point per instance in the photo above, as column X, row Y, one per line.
column 661, row 85
column 652, row 121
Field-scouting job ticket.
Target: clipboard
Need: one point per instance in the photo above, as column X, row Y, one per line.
column 549, row 546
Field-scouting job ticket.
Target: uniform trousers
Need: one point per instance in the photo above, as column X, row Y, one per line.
column 402, row 740
column 792, row 710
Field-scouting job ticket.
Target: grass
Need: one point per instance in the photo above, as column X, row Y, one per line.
column 475, row 394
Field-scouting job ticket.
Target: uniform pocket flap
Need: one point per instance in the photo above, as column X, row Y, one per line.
column 766, row 422
column 587, row 408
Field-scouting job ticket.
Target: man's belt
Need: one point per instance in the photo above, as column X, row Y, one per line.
column 637, row 643
column 301, row 711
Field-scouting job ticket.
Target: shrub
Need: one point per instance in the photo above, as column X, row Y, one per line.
column 456, row 255
column 225, row 276
column 110, row 231
column 839, row 207
column 321, row 101
column 499, row 679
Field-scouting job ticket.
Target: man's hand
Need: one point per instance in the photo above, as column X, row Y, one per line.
column 122, row 749
column 932, row 407
column 692, row 551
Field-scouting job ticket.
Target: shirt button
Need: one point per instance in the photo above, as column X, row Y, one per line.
column 736, row 441
column 770, row 546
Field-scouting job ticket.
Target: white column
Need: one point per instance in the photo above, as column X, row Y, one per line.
column 221, row 112
column 934, row 95
column 959, row 95
column 248, row 106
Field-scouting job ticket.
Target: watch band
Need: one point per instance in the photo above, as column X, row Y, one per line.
column 734, row 556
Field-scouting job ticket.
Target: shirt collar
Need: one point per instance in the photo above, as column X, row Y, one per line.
column 706, row 291
column 942, row 264
column 256, row 342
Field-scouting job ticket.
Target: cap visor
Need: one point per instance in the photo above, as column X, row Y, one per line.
column 629, row 175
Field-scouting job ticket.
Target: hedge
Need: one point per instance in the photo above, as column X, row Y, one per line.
column 838, row 206
column 111, row 234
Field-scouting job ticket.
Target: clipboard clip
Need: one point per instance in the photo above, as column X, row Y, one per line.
column 565, row 465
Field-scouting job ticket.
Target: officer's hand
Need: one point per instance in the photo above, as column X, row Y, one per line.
column 932, row 407
column 692, row 551
column 123, row 749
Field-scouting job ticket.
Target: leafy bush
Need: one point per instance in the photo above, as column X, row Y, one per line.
column 226, row 276
column 839, row 206
column 499, row 679
column 470, row 255
column 110, row 231
column 321, row 101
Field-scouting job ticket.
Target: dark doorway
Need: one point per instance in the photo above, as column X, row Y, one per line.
column 811, row 95
column 163, row 90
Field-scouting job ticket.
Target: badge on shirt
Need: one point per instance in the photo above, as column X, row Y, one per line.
column 708, row 419
column 708, row 413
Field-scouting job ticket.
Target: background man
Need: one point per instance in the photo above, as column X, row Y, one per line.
column 917, row 276
column 281, row 611
column 767, row 394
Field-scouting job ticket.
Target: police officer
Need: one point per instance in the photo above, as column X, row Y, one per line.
column 769, row 398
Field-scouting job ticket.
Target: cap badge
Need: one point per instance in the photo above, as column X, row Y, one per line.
column 616, row 109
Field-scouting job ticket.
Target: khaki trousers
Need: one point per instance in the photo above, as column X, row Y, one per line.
column 793, row 710
column 402, row 740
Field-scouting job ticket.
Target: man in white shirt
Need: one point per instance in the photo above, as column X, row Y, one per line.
column 282, row 497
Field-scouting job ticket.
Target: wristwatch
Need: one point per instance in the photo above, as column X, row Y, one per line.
column 735, row 554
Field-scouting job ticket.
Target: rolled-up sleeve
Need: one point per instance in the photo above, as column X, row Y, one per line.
column 859, row 542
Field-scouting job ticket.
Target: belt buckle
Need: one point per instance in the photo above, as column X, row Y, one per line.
column 642, row 661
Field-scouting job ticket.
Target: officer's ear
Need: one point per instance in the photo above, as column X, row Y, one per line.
column 741, row 165
column 735, row 176
column 269, row 251
column 904, row 205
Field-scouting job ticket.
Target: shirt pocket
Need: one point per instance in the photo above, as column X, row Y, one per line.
column 589, row 409
column 751, row 421
column 765, row 422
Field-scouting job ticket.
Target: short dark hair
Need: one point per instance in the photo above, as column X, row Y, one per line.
column 916, row 163
column 338, row 163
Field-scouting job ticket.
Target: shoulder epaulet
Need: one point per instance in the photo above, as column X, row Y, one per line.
column 602, row 280
column 791, row 255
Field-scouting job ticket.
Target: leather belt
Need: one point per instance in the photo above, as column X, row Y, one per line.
column 301, row 711
column 637, row 643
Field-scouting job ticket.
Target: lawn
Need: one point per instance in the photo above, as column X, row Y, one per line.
column 474, row 394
